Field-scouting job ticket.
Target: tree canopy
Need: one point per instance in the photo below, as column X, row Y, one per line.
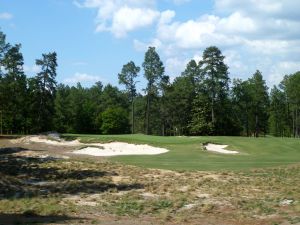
column 201, row 101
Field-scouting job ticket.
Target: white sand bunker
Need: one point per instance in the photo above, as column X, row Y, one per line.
column 219, row 149
column 94, row 149
column 120, row 148
column 44, row 139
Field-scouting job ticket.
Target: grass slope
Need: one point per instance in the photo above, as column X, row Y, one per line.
column 186, row 152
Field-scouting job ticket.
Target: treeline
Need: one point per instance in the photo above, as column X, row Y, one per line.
column 201, row 101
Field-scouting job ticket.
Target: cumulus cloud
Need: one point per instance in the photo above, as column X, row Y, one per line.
column 121, row 16
column 174, row 67
column 261, row 8
column 128, row 19
column 6, row 16
column 253, row 34
column 282, row 68
column 82, row 78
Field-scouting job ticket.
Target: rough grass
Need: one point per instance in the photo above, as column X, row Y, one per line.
column 243, row 189
column 186, row 153
column 88, row 188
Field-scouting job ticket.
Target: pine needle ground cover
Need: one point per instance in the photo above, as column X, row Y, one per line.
column 93, row 190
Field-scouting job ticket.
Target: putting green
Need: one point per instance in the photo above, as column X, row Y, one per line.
column 186, row 152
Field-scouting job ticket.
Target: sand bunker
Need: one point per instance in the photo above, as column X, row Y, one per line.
column 94, row 149
column 219, row 149
column 120, row 148
column 43, row 139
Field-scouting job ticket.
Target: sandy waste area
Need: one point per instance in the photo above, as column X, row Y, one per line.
column 94, row 149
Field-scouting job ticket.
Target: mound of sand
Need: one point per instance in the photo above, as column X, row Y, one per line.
column 219, row 149
column 94, row 149
column 120, row 148
column 44, row 139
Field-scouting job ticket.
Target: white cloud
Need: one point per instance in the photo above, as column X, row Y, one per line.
column 82, row 78
column 128, row 19
column 253, row 34
column 261, row 8
column 121, row 16
column 236, row 22
column 6, row 16
column 167, row 16
column 174, row 67
column 280, row 69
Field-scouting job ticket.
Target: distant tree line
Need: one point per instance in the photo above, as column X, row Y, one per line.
column 201, row 101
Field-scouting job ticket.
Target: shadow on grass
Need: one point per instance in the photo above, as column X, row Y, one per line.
column 23, row 176
column 31, row 218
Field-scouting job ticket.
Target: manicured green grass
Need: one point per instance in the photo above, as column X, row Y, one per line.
column 186, row 152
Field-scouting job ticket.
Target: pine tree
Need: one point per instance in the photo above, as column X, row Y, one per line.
column 13, row 91
column 259, row 104
column 127, row 77
column 214, row 73
column 153, row 72
column 46, row 86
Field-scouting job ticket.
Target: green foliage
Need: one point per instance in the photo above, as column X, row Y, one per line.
column 45, row 86
column 251, row 104
column 200, row 123
column 291, row 87
column 278, row 119
column 62, row 104
column 198, row 102
column 13, row 91
column 214, row 78
column 259, row 104
column 127, row 77
column 114, row 121
column 153, row 72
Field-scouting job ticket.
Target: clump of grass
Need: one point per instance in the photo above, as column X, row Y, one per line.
column 38, row 206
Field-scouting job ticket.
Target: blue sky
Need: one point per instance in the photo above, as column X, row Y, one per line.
column 94, row 38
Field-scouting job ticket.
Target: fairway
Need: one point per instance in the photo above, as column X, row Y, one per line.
column 186, row 152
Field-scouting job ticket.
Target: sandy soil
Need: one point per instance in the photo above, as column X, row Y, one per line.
column 44, row 139
column 120, row 148
column 219, row 149
column 95, row 149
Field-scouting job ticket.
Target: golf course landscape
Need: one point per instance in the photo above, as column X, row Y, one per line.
column 148, row 112
column 186, row 153
column 43, row 181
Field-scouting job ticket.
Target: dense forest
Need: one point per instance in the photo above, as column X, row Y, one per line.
column 201, row 101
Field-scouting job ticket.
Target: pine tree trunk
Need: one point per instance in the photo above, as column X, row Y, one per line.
column 212, row 111
column 256, row 125
column 247, row 123
column 147, row 114
column 294, row 124
column 132, row 115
